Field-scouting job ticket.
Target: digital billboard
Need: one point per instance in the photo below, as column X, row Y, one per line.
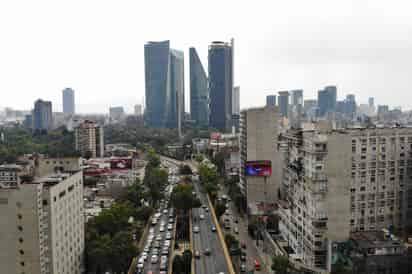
column 121, row 163
column 258, row 168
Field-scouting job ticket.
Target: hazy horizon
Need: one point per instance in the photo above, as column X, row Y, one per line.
column 96, row 48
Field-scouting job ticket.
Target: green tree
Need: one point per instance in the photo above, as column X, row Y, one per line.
column 187, row 261
column 280, row 264
column 155, row 181
column 220, row 209
column 178, row 265
column 185, row 170
column 273, row 222
column 122, row 251
column 199, row 158
column 219, row 161
column 182, row 198
column 231, row 241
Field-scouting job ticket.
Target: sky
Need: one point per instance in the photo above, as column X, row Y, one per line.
column 96, row 47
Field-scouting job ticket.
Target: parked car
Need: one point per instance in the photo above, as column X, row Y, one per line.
column 207, row 252
column 154, row 259
column 196, row 229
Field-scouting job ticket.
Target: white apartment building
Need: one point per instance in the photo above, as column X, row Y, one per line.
column 340, row 181
column 42, row 225
column 259, row 129
column 89, row 138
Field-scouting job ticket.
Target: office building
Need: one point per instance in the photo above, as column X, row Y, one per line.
column 138, row 110
column 199, row 92
column 371, row 102
column 42, row 115
column 271, row 100
column 310, row 108
column 116, row 113
column 42, row 225
column 236, row 100
column 164, row 78
column 350, row 104
column 283, row 103
column 220, row 59
column 327, row 100
column 296, row 97
column 89, row 139
column 68, row 101
column 336, row 182
column 258, row 131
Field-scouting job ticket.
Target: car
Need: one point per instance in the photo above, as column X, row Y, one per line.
column 204, row 206
column 197, row 254
column 157, row 244
column 213, row 229
column 170, row 227
column 154, row 259
column 146, row 249
column 196, row 229
column 144, row 256
column 202, row 216
column 164, row 211
column 162, row 272
column 236, row 230
column 171, row 220
column 162, row 229
column 167, row 243
column 155, row 251
column 242, row 268
column 159, row 237
column 141, row 260
column 165, row 251
column 236, row 221
column 243, row 245
column 151, row 230
column 207, row 252
column 243, row 258
column 163, row 266
column 140, row 266
column 207, row 209
column 154, row 222
column 168, row 236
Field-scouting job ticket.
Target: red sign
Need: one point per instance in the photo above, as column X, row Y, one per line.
column 215, row 135
column 258, row 168
column 121, row 163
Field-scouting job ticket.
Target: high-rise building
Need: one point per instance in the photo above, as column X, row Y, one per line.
column 68, row 101
column 310, row 108
column 350, row 104
column 283, row 103
column 236, row 101
column 327, row 100
column 258, row 127
column 296, row 97
column 220, row 67
column 89, row 139
column 138, row 110
column 271, row 100
column 42, row 225
column 116, row 113
column 199, row 92
column 164, row 78
column 42, row 115
column 371, row 101
column 340, row 181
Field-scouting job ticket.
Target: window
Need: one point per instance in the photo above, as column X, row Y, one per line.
column 19, row 216
column 21, row 252
column 21, row 240
column 20, row 228
column 22, row 263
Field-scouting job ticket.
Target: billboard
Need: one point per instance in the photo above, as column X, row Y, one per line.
column 258, row 168
column 215, row 135
column 121, row 163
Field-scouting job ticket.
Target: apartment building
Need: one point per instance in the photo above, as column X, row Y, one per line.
column 89, row 139
column 42, row 225
column 258, row 143
column 340, row 181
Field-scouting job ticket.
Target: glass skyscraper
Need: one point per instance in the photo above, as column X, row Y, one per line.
column 271, row 100
column 283, row 103
column 42, row 115
column 68, row 101
column 220, row 67
column 327, row 100
column 199, row 92
column 164, row 78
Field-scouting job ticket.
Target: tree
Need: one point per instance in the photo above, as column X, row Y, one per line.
column 155, row 181
column 178, row 265
column 219, row 161
column 187, row 261
column 272, row 222
column 231, row 241
column 185, row 170
column 153, row 159
column 220, row 209
column 199, row 158
column 182, row 198
column 122, row 251
column 280, row 264
column 134, row 194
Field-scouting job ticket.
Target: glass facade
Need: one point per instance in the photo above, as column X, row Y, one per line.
column 199, row 92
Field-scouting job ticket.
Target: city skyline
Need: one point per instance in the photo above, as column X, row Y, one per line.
column 362, row 49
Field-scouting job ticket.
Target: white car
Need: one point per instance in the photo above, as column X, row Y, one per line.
column 162, row 229
column 196, row 229
column 202, row 216
column 154, row 259
column 169, row 227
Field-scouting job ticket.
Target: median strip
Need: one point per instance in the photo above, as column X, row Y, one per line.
column 222, row 239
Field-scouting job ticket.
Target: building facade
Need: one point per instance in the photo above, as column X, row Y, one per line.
column 199, row 92
column 340, row 181
column 283, row 103
column 236, row 101
column 42, row 115
column 271, row 100
column 43, row 225
column 89, row 139
column 327, row 100
column 164, row 78
column 68, row 101
column 258, row 131
column 138, row 110
column 220, row 59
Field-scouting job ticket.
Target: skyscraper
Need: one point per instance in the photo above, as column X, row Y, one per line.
column 199, row 92
column 236, row 101
column 42, row 115
column 89, row 139
column 164, row 78
column 371, row 101
column 350, row 104
column 283, row 102
column 68, row 101
column 221, row 84
column 296, row 97
column 271, row 100
column 138, row 110
column 327, row 100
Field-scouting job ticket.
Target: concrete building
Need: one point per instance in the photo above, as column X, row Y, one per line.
column 258, row 131
column 89, row 139
column 220, row 67
column 199, row 92
column 42, row 115
column 138, row 110
column 283, row 103
column 271, row 100
column 42, row 225
column 340, row 181
column 236, row 101
column 68, row 101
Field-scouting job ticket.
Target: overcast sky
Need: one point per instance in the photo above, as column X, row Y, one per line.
column 96, row 47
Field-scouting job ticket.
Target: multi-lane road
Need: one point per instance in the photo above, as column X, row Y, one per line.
column 206, row 239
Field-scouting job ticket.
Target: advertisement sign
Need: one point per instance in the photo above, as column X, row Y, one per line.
column 258, row 168
column 121, row 163
column 215, row 135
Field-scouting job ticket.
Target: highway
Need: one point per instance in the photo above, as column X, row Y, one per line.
column 215, row 263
